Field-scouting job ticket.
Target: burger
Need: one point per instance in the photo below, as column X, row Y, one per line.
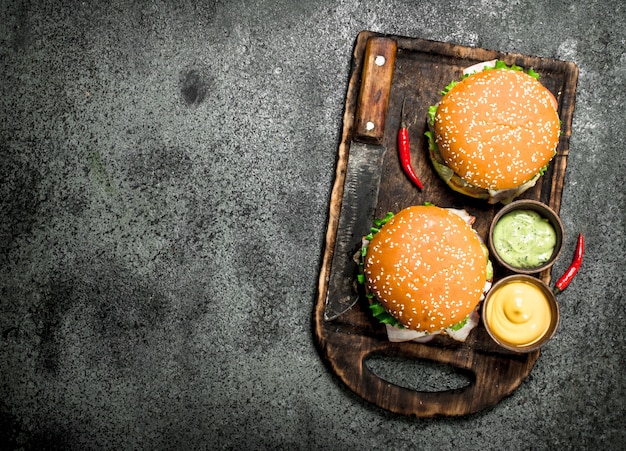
column 493, row 134
column 425, row 271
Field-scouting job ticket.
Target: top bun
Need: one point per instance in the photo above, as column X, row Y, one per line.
column 498, row 128
column 427, row 267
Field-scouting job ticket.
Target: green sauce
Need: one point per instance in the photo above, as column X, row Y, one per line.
column 524, row 239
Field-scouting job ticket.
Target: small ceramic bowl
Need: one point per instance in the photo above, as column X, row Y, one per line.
column 530, row 313
column 545, row 212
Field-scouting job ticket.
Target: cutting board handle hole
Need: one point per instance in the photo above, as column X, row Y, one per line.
column 419, row 374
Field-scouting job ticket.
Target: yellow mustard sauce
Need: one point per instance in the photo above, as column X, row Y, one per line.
column 518, row 313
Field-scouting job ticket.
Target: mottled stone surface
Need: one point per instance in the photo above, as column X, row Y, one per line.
column 166, row 171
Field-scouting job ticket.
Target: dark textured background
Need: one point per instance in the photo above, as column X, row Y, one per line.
column 165, row 174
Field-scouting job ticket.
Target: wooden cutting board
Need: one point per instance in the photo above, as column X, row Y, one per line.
column 422, row 69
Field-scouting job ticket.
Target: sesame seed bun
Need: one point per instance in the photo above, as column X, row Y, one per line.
column 497, row 129
column 427, row 267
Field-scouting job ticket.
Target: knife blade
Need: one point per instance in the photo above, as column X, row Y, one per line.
column 363, row 174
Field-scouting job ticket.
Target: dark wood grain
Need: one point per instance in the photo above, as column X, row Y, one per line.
column 422, row 69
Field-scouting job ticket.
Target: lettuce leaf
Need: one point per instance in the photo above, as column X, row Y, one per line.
column 432, row 111
column 460, row 324
column 379, row 312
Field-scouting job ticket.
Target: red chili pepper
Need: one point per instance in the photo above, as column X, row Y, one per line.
column 567, row 277
column 404, row 149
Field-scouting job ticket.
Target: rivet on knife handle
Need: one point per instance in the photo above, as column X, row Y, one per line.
column 371, row 112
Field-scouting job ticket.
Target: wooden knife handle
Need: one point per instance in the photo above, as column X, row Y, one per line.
column 371, row 112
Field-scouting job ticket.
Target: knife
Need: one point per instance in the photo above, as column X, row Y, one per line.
column 363, row 173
